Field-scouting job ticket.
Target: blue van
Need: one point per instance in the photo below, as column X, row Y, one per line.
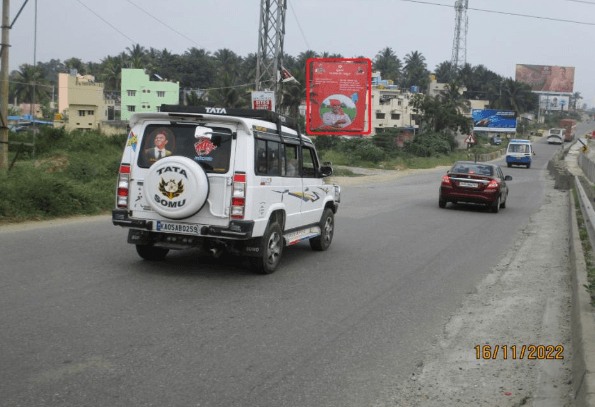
column 519, row 152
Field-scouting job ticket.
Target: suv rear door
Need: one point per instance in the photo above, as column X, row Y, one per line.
column 213, row 151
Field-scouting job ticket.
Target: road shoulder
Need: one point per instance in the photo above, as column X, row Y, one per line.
column 525, row 300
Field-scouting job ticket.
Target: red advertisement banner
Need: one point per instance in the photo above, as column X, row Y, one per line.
column 339, row 96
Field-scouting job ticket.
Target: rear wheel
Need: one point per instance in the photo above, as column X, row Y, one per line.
column 442, row 203
column 509, row 165
column 528, row 165
column 322, row 242
column 503, row 204
column 151, row 253
column 272, row 249
column 496, row 205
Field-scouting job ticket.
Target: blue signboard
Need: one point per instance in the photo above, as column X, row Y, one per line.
column 494, row 120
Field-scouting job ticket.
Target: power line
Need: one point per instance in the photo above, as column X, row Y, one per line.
column 581, row 1
column 505, row 12
column 161, row 22
column 298, row 23
column 105, row 21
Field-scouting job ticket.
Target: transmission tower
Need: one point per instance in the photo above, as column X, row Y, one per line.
column 271, row 33
column 459, row 44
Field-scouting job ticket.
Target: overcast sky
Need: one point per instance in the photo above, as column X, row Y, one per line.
column 93, row 29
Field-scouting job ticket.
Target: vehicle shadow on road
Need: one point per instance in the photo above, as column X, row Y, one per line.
column 197, row 263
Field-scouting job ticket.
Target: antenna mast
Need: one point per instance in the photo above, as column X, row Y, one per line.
column 459, row 44
column 271, row 33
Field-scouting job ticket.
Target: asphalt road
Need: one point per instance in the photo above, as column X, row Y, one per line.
column 86, row 322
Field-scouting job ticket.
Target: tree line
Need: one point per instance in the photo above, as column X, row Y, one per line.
column 226, row 78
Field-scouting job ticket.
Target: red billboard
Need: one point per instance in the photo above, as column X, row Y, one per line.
column 546, row 78
column 338, row 99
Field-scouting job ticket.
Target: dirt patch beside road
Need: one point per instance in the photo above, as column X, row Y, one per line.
column 525, row 300
column 376, row 175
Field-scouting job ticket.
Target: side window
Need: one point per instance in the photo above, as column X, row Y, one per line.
column 309, row 163
column 273, row 167
column 260, row 164
column 292, row 164
column 267, row 160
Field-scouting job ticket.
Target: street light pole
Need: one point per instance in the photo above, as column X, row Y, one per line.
column 4, row 86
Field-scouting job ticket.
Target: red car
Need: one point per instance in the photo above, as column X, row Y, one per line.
column 481, row 183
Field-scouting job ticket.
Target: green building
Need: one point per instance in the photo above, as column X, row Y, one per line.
column 142, row 95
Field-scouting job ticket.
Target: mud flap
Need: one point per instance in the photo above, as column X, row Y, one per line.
column 252, row 247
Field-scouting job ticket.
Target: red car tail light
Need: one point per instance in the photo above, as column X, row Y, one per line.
column 446, row 180
column 493, row 184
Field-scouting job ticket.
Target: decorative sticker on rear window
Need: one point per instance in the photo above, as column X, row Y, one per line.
column 203, row 147
column 162, row 144
column 132, row 141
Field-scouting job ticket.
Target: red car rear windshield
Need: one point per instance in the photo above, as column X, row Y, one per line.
column 477, row 169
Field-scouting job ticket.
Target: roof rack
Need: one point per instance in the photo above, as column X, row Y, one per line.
column 266, row 115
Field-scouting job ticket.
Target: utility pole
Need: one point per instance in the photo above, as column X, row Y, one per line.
column 271, row 34
column 4, row 87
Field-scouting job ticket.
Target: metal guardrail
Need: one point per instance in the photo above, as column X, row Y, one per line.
column 587, row 166
column 586, row 208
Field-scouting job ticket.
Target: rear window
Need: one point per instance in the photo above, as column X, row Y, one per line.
column 478, row 169
column 518, row 148
column 211, row 151
column 555, row 131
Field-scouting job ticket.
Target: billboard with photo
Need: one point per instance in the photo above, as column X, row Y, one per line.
column 554, row 102
column 546, row 78
column 494, row 120
column 338, row 99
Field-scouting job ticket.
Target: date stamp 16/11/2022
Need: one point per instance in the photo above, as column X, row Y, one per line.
column 520, row 352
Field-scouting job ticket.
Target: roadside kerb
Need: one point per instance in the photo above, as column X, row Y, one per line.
column 565, row 168
column 582, row 321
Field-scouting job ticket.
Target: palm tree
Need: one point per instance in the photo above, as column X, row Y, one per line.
column 303, row 58
column 574, row 98
column 294, row 93
column 75, row 63
column 442, row 72
column 415, row 71
column 193, row 99
column 388, row 64
column 111, row 72
column 27, row 89
column 227, row 61
column 517, row 96
column 453, row 95
column 227, row 94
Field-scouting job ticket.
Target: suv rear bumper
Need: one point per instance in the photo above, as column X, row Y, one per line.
column 236, row 230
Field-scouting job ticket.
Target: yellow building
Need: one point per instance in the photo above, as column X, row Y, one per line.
column 81, row 100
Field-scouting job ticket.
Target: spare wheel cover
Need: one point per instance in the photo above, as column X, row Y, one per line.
column 176, row 187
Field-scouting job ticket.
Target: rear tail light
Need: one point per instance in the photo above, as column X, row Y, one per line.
column 238, row 196
column 123, row 187
column 493, row 184
column 446, row 180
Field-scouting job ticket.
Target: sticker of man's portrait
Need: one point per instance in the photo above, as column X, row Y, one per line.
column 161, row 144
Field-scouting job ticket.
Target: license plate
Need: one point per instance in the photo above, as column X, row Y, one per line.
column 468, row 184
column 177, row 228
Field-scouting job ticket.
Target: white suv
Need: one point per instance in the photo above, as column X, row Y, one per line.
column 244, row 182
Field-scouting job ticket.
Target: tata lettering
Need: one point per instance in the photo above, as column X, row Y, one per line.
column 172, row 169
column 215, row 110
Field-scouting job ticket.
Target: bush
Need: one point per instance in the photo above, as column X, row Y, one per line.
column 41, row 194
column 430, row 144
column 325, row 143
column 367, row 151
